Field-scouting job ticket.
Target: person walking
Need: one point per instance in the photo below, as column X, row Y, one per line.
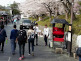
column 13, row 37
column 31, row 36
column 3, row 36
column 22, row 37
column 46, row 34
column 6, row 22
column 15, row 21
column 36, row 29
column 79, row 46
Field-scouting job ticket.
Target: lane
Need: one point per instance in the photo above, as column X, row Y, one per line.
column 42, row 53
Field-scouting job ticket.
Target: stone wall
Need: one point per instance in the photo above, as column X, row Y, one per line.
column 74, row 38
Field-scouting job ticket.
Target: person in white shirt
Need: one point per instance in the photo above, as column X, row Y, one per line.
column 79, row 44
column 79, row 41
column 46, row 34
column 36, row 29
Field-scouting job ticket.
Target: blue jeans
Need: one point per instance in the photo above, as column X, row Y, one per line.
column 13, row 45
column 79, row 58
column 21, row 49
column 30, row 42
column 36, row 37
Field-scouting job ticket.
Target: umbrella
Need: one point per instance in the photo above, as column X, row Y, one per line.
column 63, row 21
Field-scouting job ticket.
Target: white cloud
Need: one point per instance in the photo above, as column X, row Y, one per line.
column 6, row 2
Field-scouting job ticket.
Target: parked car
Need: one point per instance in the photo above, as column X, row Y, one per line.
column 26, row 23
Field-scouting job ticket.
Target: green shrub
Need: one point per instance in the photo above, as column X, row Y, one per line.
column 76, row 26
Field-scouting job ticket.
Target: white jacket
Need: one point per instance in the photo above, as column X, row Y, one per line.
column 36, row 29
column 46, row 31
column 79, row 41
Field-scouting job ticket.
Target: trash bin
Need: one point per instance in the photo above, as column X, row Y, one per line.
column 51, row 43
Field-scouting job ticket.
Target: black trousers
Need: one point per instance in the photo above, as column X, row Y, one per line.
column 2, row 45
column 21, row 49
column 68, row 46
column 45, row 39
column 36, row 38
column 30, row 44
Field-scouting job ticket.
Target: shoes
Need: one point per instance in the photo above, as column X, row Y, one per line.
column 45, row 44
column 32, row 53
column 2, row 51
column 20, row 58
column 13, row 53
column 37, row 44
column 29, row 54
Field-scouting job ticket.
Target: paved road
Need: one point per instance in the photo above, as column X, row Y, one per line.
column 42, row 53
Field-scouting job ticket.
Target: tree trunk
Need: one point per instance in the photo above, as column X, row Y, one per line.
column 66, row 15
column 74, row 17
column 50, row 16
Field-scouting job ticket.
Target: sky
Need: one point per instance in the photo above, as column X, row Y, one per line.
column 6, row 2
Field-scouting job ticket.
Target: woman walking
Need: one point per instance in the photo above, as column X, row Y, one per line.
column 30, row 35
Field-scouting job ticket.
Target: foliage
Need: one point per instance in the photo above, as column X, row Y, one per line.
column 2, row 8
column 14, row 5
column 76, row 27
column 14, row 8
column 79, row 3
column 33, row 19
column 15, row 12
column 43, row 22
column 79, row 6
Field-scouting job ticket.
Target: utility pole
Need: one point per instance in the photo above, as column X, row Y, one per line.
column 70, row 26
column 72, row 11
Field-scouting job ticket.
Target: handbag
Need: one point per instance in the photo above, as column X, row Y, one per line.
column 78, row 52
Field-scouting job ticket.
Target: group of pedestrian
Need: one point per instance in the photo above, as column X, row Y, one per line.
column 22, row 37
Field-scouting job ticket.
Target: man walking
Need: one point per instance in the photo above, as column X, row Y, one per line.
column 79, row 46
column 22, row 37
column 3, row 37
column 46, row 34
column 13, row 37
column 36, row 29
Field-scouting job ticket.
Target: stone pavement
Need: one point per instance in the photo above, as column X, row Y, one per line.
column 42, row 53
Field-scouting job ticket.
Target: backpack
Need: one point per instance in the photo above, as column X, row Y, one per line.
column 78, row 52
column 22, row 36
column 31, row 36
